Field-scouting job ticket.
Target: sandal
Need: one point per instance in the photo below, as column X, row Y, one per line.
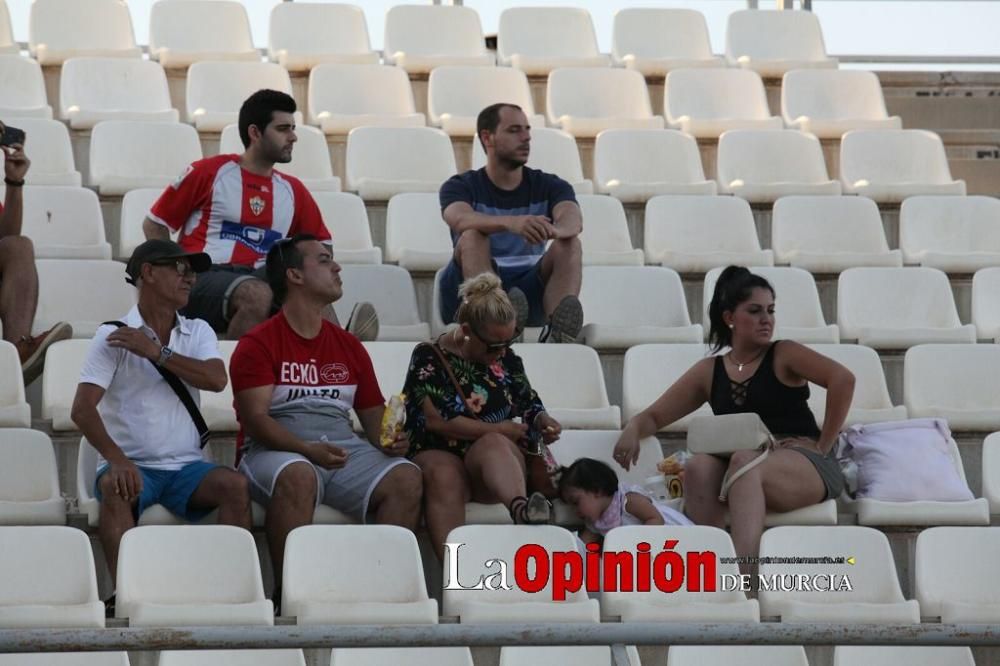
column 533, row 510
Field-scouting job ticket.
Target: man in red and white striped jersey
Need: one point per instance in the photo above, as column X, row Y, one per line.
column 234, row 207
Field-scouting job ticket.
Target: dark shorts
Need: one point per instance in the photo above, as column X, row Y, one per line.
column 209, row 298
column 828, row 469
column 171, row 488
column 526, row 278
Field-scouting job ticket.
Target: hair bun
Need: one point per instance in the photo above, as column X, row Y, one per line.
column 480, row 286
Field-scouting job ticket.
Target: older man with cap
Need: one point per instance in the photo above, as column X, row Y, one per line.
column 130, row 403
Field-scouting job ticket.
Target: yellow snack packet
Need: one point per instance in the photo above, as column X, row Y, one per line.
column 393, row 419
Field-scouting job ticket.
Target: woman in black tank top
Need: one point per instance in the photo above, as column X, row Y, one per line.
column 770, row 379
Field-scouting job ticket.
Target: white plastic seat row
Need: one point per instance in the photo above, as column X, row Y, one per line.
column 552, row 150
column 418, row 39
column 14, row 409
column 829, row 102
column 707, row 102
column 636, row 165
column 537, row 40
column 985, row 309
column 64, row 223
column 953, row 382
column 184, row 32
column 48, row 144
column 304, row 35
column 106, row 297
column 22, row 86
column 654, row 41
column 345, row 96
column 58, row 30
column 456, row 95
column 216, row 90
column 128, row 154
column 763, row 165
column 384, row 161
column 29, row 487
column 774, row 42
column 96, row 89
column 953, row 234
column 586, row 100
column 889, row 165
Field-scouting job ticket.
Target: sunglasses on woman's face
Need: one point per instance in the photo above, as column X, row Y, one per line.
column 493, row 346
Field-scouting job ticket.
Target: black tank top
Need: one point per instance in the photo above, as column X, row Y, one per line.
column 782, row 408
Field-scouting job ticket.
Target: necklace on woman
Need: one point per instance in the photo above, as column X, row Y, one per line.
column 739, row 366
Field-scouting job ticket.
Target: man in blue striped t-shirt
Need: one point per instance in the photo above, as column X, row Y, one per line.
column 501, row 217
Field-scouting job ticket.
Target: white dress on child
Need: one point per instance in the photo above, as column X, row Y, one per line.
column 616, row 514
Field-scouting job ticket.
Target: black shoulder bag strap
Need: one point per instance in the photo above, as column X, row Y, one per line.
column 182, row 394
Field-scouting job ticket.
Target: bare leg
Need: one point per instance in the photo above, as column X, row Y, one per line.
column 702, row 481
column 116, row 519
column 292, row 505
column 226, row 490
column 249, row 305
column 18, row 287
column 396, row 499
column 561, row 271
column 446, row 490
column 496, row 468
column 472, row 252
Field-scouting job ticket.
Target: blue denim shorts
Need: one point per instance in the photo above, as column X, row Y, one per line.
column 171, row 488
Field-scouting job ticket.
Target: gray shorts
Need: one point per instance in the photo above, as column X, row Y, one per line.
column 347, row 489
column 212, row 290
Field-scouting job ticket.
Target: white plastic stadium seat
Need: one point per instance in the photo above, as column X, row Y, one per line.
column 14, row 410
column 682, row 605
column 456, row 95
column 310, row 157
column 390, row 290
column 631, row 305
column 65, row 659
column 901, row 655
column 216, row 90
column 875, row 598
column 694, row 234
column 7, row 43
column 955, row 234
column 420, row 38
column 746, row 655
column 22, row 87
column 183, row 32
column 991, row 471
column 385, row 161
column 342, row 97
column 800, row 316
column 774, row 42
column 347, row 220
column 830, row 234
column 355, row 574
column 447, row 656
column 29, row 480
column 647, row 372
column 217, row 407
column 954, row 382
column 654, row 41
column 482, row 543
column 871, row 402
column 569, row 380
column 171, row 575
column 763, row 165
column 586, row 100
column 828, row 103
column 890, row 165
column 416, row 237
column 96, row 89
column 304, row 35
column 64, row 223
column 107, row 296
column 578, row 655
column 232, row 658
column 391, row 361
column 64, row 360
column 636, row 165
column 127, row 154
column 985, row 308
column 707, row 102
column 605, row 237
column 135, row 208
column 552, row 150
column 878, row 308
column 60, row 30
column 47, row 142
column 537, row 40
column 953, row 567
column 61, row 590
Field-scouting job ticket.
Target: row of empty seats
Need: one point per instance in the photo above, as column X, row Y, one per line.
column 419, row 38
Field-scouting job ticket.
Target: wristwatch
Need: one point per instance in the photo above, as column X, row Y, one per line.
column 165, row 353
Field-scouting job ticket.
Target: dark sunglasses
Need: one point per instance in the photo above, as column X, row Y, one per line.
column 183, row 268
column 493, row 346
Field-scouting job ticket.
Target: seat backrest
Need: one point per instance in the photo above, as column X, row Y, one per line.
column 310, row 156
column 413, row 222
column 193, row 25
column 7, row 43
column 650, row 32
column 952, row 376
column 795, row 295
column 605, row 227
column 433, row 30
column 12, row 384
column 770, row 156
column 22, row 85
column 564, row 376
column 706, row 94
column 65, row 216
column 28, row 472
column 465, row 91
column 894, row 298
column 87, row 26
column 59, row 560
column 398, row 153
column 766, row 35
column 358, row 90
column 696, row 224
column 48, row 144
column 832, row 94
column 345, row 217
column 985, row 308
column 313, row 27
column 948, row 224
column 391, row 361
column 893, row 156
column 552, row 150
column 902, row 655
column 953, row 564
column 818, row 224
column 113, row 84
column 649, row 369
column 747, row 655
column 388, row 288
column 647, row 156
column 597, row 92
column 125, row 148
column 870, row 389
column 223, row 86
column 135, row 209
column 633, row 296
column 546, row 32
column 600, row 445
column 106, row 297
column 64, row 360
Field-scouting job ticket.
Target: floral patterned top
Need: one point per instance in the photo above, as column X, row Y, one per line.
column 496, row 393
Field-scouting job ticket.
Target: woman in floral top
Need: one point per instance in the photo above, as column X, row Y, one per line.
column 472, row 449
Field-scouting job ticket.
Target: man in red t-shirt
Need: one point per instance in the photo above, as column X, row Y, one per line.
column 296, row 378
column 234, row 207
